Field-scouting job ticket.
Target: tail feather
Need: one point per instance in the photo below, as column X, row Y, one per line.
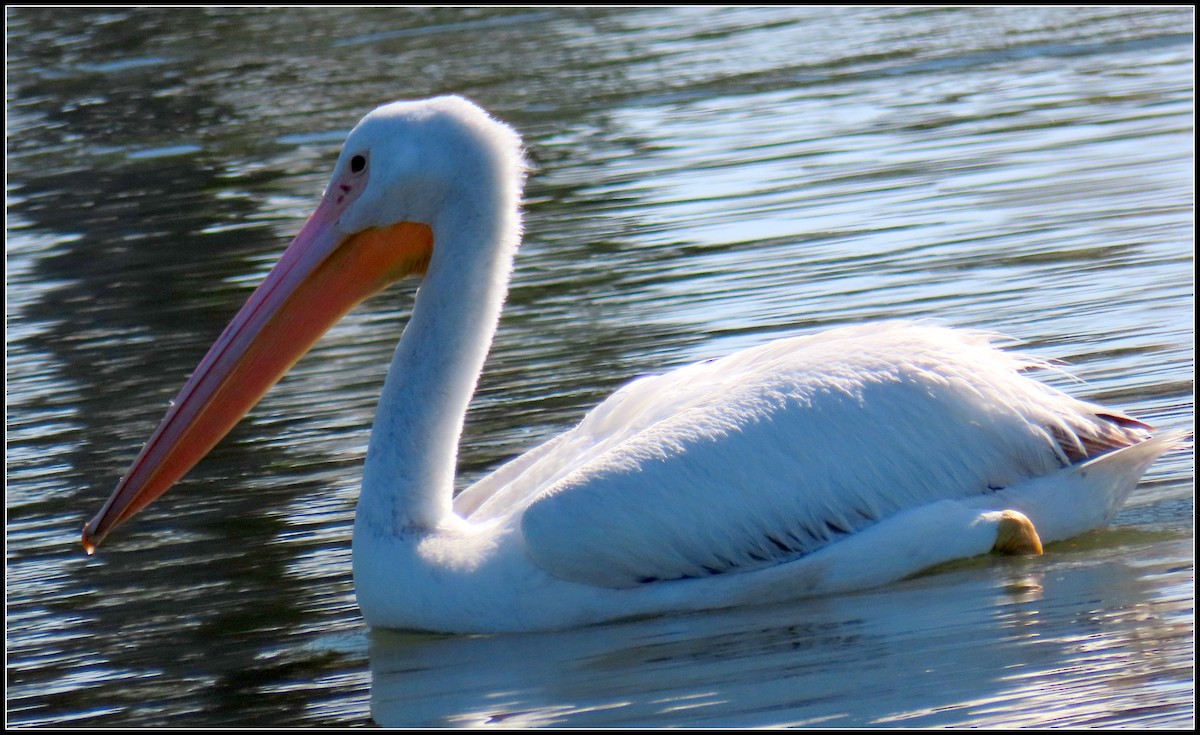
column 1099, row 434
column 1124, row 467
column 1088, row 495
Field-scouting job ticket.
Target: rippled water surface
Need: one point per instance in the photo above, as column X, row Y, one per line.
column 705, row 179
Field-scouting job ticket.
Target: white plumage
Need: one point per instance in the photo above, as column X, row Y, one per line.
column 774, row 452
column 807, row 465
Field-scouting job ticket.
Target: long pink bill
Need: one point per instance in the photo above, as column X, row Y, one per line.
column 320, row 277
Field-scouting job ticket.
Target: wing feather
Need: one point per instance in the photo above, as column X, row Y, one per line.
column 777, row 451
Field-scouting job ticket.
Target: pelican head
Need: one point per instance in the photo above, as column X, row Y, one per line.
column 403, row 170
column 404, row 161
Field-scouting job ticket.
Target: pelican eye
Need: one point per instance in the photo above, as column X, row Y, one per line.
column 358, row 163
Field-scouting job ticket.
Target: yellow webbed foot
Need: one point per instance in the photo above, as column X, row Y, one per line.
column 1015, row 534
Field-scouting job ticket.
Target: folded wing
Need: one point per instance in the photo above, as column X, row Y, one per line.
column 774, row 452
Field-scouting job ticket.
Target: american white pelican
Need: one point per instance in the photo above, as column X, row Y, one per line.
column 803, row 466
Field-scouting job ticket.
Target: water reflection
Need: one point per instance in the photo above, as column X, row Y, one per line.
column 1011, row 644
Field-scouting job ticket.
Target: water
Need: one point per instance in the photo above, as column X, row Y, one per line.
column 706, row 179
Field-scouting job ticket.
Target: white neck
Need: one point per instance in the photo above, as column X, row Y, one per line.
column 408, row 480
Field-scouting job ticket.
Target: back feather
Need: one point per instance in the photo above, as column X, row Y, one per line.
column 774, row 452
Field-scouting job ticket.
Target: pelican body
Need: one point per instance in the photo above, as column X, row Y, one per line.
column 803, row 466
